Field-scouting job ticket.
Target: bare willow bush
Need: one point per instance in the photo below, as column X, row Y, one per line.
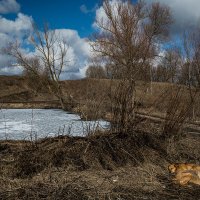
column 177, row 113
column 127, row 41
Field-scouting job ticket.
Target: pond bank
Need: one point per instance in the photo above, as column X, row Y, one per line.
column 32, row 104
column 102, row 166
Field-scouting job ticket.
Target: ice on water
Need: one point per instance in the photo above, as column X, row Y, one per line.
column 39, row 123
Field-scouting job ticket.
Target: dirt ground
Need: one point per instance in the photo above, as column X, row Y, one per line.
column 102, row 166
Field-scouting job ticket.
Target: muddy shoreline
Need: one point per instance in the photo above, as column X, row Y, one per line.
column 102, row 166
column 31, row 105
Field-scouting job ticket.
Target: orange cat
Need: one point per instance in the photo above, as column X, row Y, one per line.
column 185, row 173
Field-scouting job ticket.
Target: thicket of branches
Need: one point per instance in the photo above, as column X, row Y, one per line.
column 178, row 64
column 127, row 41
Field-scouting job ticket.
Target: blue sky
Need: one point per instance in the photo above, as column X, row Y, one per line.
column 75, row 14
column 74, row 20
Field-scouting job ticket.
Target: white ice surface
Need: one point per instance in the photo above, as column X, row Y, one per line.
column 39, row 123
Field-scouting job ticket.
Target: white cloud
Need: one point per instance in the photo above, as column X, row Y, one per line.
column 16, row 70
column 10, row 31
column 100, row 13
column 6, row 69
column 9, row 6
column 20, row 29
column 186, row 13
column 78, row 53
column 14, row 29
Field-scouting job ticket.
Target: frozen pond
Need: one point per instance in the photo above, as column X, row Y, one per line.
column 31, row 124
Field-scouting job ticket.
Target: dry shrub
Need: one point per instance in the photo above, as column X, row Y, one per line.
column 92, row 98
column 102, row 151
column 176, row 115
column 123, row 107
column 185, row 150
column 91, row 110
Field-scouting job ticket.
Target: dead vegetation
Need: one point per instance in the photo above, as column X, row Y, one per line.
column 130, row 160
column 98, row 94
column 131, row 164
column 102, row 166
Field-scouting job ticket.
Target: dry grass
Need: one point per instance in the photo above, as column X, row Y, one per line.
column 102, row 166
column 128, row 165
column 97, row 93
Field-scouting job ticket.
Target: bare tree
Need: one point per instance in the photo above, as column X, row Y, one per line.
column 51, row 55
column 191, row 66
column 128, row 38
column 169, row 67
column 172, row 63
column 95, row 72
column 37, row 76
column 160, row 74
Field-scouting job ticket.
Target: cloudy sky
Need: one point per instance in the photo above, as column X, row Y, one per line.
column 74, row 20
